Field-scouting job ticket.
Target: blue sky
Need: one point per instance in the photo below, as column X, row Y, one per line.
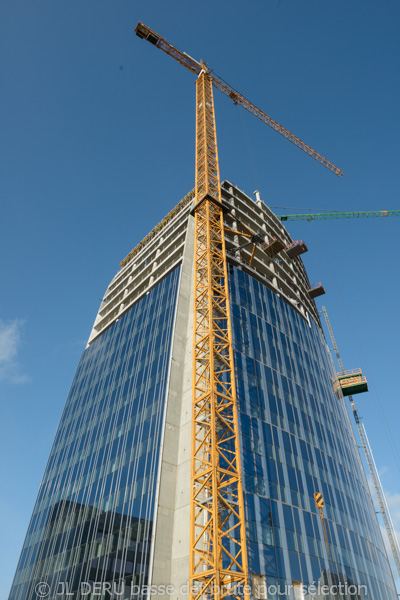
column 97, row 144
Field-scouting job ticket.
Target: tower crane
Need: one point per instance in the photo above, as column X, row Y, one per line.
column 339, row 215
column 218, row 553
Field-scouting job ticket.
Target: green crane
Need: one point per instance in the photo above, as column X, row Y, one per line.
column 339, row 215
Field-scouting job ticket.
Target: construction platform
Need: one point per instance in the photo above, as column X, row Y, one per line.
column 296, row 248
column 273, row 246
column 350, row 382
column 316, row 290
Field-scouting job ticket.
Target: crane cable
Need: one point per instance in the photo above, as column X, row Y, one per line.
column 256, row 176
column 298, row 208
column 376, row 398
column 375, row 395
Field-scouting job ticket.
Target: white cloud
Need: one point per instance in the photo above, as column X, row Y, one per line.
column 10, row 342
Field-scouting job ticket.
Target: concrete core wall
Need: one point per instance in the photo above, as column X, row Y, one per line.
column 171, row 539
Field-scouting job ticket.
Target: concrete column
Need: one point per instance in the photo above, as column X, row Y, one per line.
column 259, row 202
column 171, row 540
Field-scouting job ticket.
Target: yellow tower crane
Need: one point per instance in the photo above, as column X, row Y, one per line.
column 218, row 553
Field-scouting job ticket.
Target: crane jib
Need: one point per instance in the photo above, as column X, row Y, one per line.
column 339, row 215
column 195, row 66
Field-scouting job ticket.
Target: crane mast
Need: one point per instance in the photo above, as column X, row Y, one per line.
column 218, row 554
column 384, row 510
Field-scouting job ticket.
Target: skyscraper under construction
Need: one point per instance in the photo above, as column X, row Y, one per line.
column 115, row 508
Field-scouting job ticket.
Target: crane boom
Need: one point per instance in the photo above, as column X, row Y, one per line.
column 339, row 215
column 195, row 66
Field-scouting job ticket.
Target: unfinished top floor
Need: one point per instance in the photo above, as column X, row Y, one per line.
column 273, row 259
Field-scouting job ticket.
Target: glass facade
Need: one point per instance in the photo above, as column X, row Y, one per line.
column 93, row 517
column 296, row 439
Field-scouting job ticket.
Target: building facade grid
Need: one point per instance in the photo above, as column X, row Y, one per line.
column 297, row 440
column 100, row 515
column 93, row 518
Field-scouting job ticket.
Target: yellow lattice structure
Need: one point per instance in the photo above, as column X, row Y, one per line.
column 218, row 555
